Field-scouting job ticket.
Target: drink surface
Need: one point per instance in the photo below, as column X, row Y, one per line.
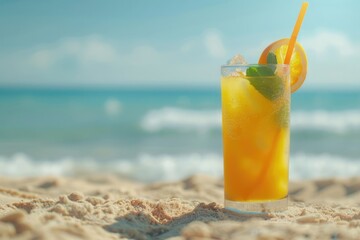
column 255, row 137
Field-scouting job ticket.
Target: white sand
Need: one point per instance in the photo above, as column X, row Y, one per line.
column 108, row 207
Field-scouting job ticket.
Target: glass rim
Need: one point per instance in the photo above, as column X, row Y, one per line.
column 254, row 65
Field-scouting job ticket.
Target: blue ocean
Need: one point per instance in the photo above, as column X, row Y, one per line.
column 161, row 134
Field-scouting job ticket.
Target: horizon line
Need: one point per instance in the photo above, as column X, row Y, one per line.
column 148, row 87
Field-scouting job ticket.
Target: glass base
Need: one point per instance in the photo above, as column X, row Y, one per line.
column 257, row 207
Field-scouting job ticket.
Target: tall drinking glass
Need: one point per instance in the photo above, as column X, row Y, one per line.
column 255, row 127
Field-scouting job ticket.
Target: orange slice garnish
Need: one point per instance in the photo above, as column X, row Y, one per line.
column 298, row 61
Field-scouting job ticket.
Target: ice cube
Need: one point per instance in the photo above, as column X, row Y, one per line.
column 237, row 60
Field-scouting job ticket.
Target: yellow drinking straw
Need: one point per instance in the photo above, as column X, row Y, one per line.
column 287, row 61
column 295, row 32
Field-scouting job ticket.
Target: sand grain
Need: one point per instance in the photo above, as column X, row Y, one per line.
column 108, row 207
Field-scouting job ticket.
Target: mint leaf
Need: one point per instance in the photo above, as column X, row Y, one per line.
column 259, row 71
column 264, row 80
column 271, row 58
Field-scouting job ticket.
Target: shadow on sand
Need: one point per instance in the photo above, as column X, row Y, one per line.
column 159, row 225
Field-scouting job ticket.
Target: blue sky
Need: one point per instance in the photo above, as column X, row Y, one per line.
column 168, row 43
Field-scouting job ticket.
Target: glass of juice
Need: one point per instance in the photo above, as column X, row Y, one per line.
column 255, row 126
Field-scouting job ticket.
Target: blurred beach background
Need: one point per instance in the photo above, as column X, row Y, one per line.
column 132, row 87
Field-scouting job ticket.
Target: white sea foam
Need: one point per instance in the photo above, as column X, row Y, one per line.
column 181, row 119
column 22, row 165
column 203, row 120
column 145, row 167
column 168, row 167
column 148, row 167
column 339, row 121
column 309, row 166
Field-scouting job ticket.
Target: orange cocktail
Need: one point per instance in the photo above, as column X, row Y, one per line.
column 255, row 120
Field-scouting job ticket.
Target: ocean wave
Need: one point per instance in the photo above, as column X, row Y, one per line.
column 169, row 167
column 145, row 167
column 165, row 167
column 181, row 119
column 21, row 164
column 337, row 121
column 203, row 120
column 310, row 166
